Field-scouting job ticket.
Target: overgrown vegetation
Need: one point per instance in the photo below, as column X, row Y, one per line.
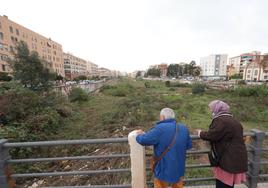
column 252, row 91
column 31, row 109
column 176, row 84
column 198, row 88
column 77, row 94
column 120, row 90
column 5, row 77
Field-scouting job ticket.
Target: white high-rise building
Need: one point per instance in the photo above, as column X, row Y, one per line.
column 214, row 66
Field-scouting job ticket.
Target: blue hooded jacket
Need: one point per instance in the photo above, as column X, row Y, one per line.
column 172, row 166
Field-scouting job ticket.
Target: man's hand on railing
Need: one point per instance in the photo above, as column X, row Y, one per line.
column 139, row 131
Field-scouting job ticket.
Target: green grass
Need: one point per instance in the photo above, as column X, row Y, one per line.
column 128, row 105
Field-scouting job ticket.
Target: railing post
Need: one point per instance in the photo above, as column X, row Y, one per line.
column 138, row 166
column 255, row 158
column 4, row 156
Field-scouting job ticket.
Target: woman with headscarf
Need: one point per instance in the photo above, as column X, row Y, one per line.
column 226, row 136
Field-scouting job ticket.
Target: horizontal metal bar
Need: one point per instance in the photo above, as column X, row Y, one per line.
column 199, row 179
column 85, row 141
column 71, row 173
column 190, row 152
column 264, row 162
column 198, row 165
column 263, row 175
column 94, row 186
column 265, row 149
column 198, row 151
column 195, row 137
column 66, row 142
column 249, row 134
column 14, row 161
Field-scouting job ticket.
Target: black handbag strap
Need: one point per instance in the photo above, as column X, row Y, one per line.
column 222, row 153
column 169, row 146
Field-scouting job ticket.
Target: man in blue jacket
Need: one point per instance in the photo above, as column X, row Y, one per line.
column 171, row 167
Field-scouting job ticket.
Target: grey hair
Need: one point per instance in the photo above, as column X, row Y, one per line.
column 168, row 113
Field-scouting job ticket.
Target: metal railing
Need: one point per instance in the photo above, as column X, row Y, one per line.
column 254, row 175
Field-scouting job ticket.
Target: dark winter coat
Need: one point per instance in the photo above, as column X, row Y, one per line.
column 227, row 135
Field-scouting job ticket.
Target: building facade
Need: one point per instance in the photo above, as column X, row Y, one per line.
column 92, row 69
column 11, row 33
column 249, row 58
column 214, row 66
column 163, row 69
column 74, row 66
column 103, row 72
column 234, row 65
column 257, row 69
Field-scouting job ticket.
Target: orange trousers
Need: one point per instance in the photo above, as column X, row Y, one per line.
column 161, row 184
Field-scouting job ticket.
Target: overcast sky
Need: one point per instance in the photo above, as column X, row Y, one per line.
column 128, row 35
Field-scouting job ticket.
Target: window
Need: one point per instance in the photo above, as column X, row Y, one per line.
column 249, row 71
column 11, row 29
column 17, row 32
column 1, row 36
column 4, row 67
column 11, row 49
column 256, row 72
column 4, row 57
column 248, row 76
column 0, row 25
column 265, row 77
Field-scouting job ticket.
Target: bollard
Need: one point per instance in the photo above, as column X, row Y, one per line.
column 255, row 158
column 138, row 166
column 4, row 156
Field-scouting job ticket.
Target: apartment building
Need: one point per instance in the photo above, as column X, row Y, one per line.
column 74, row 66
column 163, row 69
column 103, row 72
column 92, row 69
column 214, row 66
column 11, row 33
column 234, row 66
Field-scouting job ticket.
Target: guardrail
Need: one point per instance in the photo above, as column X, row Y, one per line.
column 88, row 87
column 255, row 149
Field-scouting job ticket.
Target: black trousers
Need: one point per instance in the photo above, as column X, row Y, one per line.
column 220, row 184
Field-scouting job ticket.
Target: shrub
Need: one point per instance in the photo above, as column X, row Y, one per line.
column 198, row 88
column 78, row 94
column 5, row 77
column 81, row 77
column 31, row 115
column 121, row 90
column 241, row 82
column 254, row 91
column 167, row 83
column 180, row 85
column 147, row 84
